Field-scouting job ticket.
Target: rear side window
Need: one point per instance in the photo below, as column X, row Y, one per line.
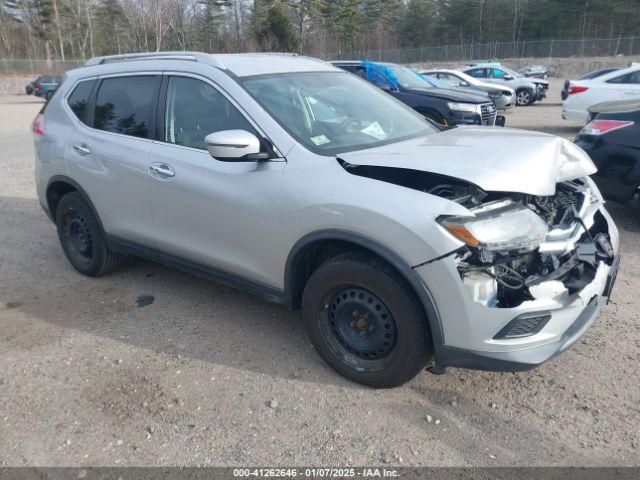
column 126, row 105
column 79, row 98
column 633, row 77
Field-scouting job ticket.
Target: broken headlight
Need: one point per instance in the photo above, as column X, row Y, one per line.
column 498, row 226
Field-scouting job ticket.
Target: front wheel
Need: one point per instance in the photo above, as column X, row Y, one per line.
column 365, row 321
column 524, row 97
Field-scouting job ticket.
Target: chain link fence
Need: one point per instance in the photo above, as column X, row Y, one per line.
column 28, row 66
column 588, row 47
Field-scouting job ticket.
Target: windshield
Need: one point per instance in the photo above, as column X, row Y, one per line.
column 468, row 78
column 407, row 78
column 450, row 79
column 334, row 112
column 511, row 72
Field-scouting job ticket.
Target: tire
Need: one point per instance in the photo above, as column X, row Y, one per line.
column 524, row 97
column 81, row 237
column 365, row 321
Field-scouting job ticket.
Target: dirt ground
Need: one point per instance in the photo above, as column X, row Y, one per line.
column 207, row 375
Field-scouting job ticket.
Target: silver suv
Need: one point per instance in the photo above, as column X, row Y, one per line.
column 404, row 243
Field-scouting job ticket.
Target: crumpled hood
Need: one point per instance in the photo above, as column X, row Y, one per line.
column 495, row 159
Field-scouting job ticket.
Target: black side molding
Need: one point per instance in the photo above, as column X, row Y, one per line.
column 253, row 287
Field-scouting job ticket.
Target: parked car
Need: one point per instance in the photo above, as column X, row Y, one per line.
column 618, row 85
column 586, row 76
column 45, row 86
column 444, row 106
column 29, row 88
column 535, row 71
column 504, row 97
column 528, row 90
column 612, row 140
column 404, row 243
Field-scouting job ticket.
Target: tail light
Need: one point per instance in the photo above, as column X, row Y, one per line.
column 577, row 89
column 600, row 127
column 37, row 126
column 36, row 87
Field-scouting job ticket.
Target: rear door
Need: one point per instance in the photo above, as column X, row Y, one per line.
column 107, row 151
column 209, row 213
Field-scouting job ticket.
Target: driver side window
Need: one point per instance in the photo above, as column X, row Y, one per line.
column 497, row 73
column 194, row 109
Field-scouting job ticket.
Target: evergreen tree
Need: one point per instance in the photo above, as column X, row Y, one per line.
column 276, row 32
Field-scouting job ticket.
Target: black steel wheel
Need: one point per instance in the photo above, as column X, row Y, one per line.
column 365, row 321
column 81, row 237
column 358, row 326
column 77, row 235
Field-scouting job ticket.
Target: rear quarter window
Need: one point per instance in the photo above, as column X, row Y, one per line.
column 79, row 99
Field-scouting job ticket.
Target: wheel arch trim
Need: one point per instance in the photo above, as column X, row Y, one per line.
column 393, row 258
column 77, row 188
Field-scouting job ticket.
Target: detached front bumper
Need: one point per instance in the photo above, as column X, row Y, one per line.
column 471, row 331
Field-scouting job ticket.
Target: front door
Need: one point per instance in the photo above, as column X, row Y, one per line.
column 213, row 213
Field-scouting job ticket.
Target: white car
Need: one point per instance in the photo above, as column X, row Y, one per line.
column 503, row 96
column 617, row 85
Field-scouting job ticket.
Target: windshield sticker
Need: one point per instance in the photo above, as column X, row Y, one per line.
column 320, row 140
column 375, row 130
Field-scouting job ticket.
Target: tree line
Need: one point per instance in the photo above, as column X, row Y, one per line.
column 78, row 29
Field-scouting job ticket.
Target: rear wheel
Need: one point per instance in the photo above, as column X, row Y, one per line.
column 524, row 97
column 81, row 237
column 365, row 321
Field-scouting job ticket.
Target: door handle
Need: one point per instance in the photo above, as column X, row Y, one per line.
column 82, row 149
column 162, row 170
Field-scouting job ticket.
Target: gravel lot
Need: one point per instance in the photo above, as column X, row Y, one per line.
column 209, row 375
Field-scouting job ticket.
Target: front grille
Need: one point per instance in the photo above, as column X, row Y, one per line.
column 524, row 325
column 488, row 112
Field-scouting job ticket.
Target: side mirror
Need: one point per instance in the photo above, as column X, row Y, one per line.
column 508, row 77
column 238, row 145
column 463, row 84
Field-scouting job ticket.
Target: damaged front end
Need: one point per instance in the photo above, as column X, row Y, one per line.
column 521, row 247
column 517, row 246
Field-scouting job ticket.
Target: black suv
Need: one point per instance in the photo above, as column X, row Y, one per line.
column 444, row 106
